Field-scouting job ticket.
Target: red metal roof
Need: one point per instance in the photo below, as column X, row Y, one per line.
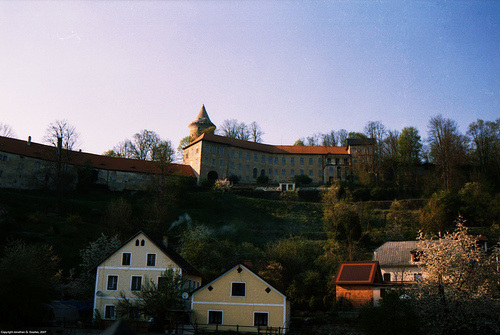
column 358, row 273
column 273, row 149
column 45, row 152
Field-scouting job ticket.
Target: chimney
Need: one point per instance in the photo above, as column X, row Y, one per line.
column 29, row 141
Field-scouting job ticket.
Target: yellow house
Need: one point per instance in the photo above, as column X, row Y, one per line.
column 127, row 269
column 240, row 299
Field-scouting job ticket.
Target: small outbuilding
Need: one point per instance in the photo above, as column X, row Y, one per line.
column 359, row 283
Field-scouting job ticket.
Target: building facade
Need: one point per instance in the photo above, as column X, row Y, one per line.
column 28, row 165
column 239, row 299
column 217, row 157
column 129, row 267
column 399, row 261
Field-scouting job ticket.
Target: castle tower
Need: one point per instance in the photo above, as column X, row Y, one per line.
column 200, row 125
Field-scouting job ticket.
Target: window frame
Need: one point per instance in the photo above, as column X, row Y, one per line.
column 255, row 319
column 233, row 288
column 221, row 317
column 132, row 283
column 107, row 283
column 147, row 259
column 113, row 317
column 129, row 258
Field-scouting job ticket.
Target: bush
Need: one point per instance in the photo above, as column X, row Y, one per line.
column 262, row 180
column 302, row 180
column 393, row 316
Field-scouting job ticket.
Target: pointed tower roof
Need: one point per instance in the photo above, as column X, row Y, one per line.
column 203, row 117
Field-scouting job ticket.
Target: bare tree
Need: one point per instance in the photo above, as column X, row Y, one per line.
column 62, row 129
column 234, row 129
column 255, row 132
column 329, row 139
column 6, row 130
column 143, row 144
column 342, row 136
column 376, row 130
column 448, row 147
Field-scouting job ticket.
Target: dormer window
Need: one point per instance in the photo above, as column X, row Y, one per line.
column 415, row 256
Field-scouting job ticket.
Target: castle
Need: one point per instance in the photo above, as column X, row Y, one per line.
column 217, row 157
column 29, row 165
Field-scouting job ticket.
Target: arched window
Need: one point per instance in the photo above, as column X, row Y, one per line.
column 142, row 243
column 255, row 172
column 137, row 242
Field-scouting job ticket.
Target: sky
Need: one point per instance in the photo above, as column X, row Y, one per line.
column 113, row 68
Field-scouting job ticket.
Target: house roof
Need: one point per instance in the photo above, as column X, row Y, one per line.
column 232, row 269
column 166, row 249
column 395, row 253
column 359, row 273
column 273, row 149
column 48, row 153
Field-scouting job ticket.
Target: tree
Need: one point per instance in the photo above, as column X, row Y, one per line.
column 329, row 139
column 342, row 136
column 459, row 285
column 157, row 300
column 28, row 274
column 447, row 148
column 255, row 132
column 376, row 130
column 314, row 140
column 299, row 142
column 233, row 129
column 6, row 130
column 91, row 255
column 143, row 144
column 485, row 155
column 62, row 129
column 409, row 146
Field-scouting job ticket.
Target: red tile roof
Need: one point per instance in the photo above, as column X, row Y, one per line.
column 273, row 149
column 45, row 152
column 358, row 273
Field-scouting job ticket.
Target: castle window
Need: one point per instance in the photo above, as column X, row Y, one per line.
column 330, row 169
column 232, row 153
column 283, row 172
column 320, row 161
column 283, row 160
column 221, row 162
column 239, row 167
column 213, row 161
column 221, row 150
column 292, row 160
column 292, row 172
column 275, row 160
column 311, row 172
column 346, row 161
column 276, row 171
column 214, row 149
column 255, row 158
column 270, row 172
column 263, row 158
column 247, row 167
column 337, row 161
column 302, row 161
column 270, row 160
column 301, row 171
column 320, row 173
column 240, row 154
column 310, row 161
column 248, row 156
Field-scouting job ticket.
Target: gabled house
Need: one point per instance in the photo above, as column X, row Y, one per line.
column 240, row 300
column 360, row 283
column 399, row 261
column 126, row 270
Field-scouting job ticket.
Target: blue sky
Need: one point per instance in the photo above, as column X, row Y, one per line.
column 112, row 68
